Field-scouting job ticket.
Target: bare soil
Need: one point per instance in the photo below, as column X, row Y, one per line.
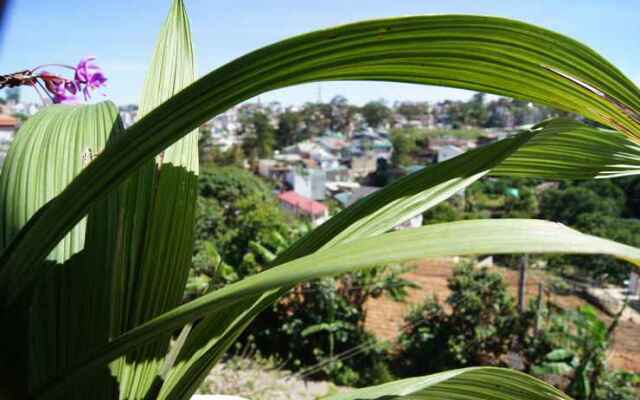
column 385, row 316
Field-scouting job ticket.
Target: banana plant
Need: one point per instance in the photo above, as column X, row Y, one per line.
column 96, row 220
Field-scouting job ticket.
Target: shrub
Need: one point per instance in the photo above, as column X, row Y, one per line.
column 319, row 327
column 481, row 327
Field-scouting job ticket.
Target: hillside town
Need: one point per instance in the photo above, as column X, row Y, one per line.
column 319, row 151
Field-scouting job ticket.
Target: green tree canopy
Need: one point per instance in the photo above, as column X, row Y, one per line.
column 375, row 113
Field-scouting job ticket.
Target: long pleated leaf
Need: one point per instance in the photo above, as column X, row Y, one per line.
column 567, row 149
column 475, row 237
column 562, row 149
column 67, row 316
column 481, row 383
column 376, row 214
column 159, row 252
column 480, row 53
column 49, row 151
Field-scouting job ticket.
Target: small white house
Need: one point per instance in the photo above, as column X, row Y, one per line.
column 310, row 183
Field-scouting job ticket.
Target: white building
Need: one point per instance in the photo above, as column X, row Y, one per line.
column 310, row 183
column 324, row 159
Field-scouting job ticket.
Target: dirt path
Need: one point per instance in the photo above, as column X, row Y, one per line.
column 385, row 317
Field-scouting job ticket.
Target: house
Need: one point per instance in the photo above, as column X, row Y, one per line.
column 339, row 174
column 368, row 140
column 304, row 207
column 364, row 164
column 273, row 169
column 8, row 127
column 310, row 183
column 324, row 159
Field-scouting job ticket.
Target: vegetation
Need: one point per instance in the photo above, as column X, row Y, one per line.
column 569, row 348
column 97, row 225
column 482, row 327
column 318, row 328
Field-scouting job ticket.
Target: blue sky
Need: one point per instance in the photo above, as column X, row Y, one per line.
column 121, row 33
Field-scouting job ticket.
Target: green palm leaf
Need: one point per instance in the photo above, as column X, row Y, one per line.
column 49, row 151
column 159, row 208
column 541, row 152
column 481, row 53
column 483, row 383
column 458, row 238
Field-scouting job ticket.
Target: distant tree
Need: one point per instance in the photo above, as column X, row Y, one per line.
column 411, row 110
column 500, row 114
column 525, row 205
column 567, row 205
column 206, row 149
column 454, row 113
column 232, row 157
column 382, row 175
column 475, row 111
column 236, row 207
column 593, row 207
column 316, row 118
column 289, row 126
column 623, row 230
column 631, row 187
column 261, row 136
column 445, row 211
column 404, row 145
column 376, row 113
column 341, row 114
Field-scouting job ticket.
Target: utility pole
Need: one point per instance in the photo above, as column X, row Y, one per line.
column 522, row 282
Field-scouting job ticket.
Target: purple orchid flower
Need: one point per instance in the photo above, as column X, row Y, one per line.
column 89, row 76
column 63, row 90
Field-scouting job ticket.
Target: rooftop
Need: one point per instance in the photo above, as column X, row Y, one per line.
column 305, row 204
column 7, row 121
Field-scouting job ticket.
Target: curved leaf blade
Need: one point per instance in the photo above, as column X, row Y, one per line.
column 481, row 383
column 472, row 237
column 489, row 54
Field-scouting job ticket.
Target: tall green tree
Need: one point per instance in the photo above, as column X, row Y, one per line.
column 261, row 136
column 289, row 127
column 404, row 145
column 376, row 113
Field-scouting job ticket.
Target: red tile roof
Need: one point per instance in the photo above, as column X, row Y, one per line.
column 8, row 121
column 304, row 204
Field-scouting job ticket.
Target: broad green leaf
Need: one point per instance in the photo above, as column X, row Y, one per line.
column 488, row 54
column 67, row 315
column 504, row 236
column 543, row 152
column 159, row 249
column 567, row 149
column 49, row 151
column 480, row 383
column 376, row 214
